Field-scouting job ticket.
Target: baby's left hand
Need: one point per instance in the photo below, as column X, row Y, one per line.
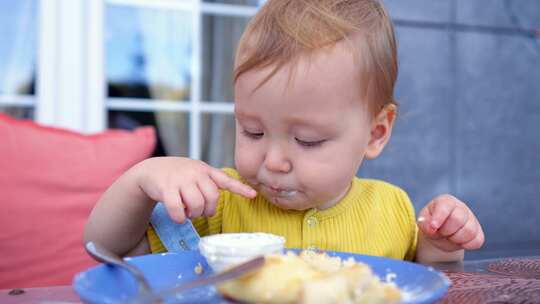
column 450, row 225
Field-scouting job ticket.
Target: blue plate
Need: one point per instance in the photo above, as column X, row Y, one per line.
column 106, row 284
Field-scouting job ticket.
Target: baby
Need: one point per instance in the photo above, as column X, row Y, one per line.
column 314, row 84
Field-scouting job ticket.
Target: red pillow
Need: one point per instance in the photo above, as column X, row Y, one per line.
column 49, row 181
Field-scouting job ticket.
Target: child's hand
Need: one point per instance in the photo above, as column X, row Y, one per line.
column 187, row 187
column 448, row 224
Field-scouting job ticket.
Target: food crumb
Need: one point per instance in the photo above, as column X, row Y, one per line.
column 198, row 268
column 390, row 277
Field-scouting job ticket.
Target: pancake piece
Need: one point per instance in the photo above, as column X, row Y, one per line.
column 310, row 278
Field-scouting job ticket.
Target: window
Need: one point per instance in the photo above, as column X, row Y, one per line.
column 149, row 59
column 169, row 64
column 125, row 63
column 18, row 57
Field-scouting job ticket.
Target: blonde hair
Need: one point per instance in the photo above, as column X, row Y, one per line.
column 283, row 30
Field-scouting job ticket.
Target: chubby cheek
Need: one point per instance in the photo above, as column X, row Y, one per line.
column 247, row 160
column 329, row 179
column 332, row 187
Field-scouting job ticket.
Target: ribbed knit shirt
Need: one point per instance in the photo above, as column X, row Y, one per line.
column 374, row 218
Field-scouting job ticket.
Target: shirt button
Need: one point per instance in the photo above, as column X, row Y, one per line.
column 312, row 222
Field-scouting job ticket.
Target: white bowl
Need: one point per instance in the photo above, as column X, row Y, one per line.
column 225, row 250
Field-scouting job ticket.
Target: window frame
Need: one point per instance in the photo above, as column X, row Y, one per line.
column 195, row 107
column 71, row 33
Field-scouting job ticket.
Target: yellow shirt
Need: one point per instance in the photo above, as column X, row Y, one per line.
column 374, row 218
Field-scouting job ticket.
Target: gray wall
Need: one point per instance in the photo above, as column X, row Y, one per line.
column 469, row 122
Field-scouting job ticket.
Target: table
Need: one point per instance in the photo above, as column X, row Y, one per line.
column 503, row 280
column 42, row 295
column 506, row 280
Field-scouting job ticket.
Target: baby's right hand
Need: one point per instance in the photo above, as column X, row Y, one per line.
column 187, row 187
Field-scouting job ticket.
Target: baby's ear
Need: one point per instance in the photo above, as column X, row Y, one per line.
column 381, row 129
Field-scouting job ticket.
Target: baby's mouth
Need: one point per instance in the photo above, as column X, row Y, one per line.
column 280, row 192
column 286, row 193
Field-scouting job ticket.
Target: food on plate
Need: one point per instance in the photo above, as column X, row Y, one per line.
column 198, row 268
column 310, row 277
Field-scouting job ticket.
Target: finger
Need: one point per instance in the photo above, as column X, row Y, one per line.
column 440, row 209
column 466, row 234
column 455, row 221
column 476, row 243
column 193, row 199
column 224, row 181
column 210, row 192
column 423, row 221
column 174, row 206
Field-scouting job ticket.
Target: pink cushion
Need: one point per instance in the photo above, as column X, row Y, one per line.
column 49, row 181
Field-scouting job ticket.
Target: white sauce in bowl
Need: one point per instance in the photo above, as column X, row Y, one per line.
column 228, row 249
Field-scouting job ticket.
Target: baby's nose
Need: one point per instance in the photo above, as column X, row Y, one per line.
column 276, row 161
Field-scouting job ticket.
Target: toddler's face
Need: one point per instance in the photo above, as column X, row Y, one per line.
column 300, row 140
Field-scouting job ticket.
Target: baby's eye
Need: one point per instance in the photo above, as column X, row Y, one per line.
column 309, row 144
column 252, row 135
